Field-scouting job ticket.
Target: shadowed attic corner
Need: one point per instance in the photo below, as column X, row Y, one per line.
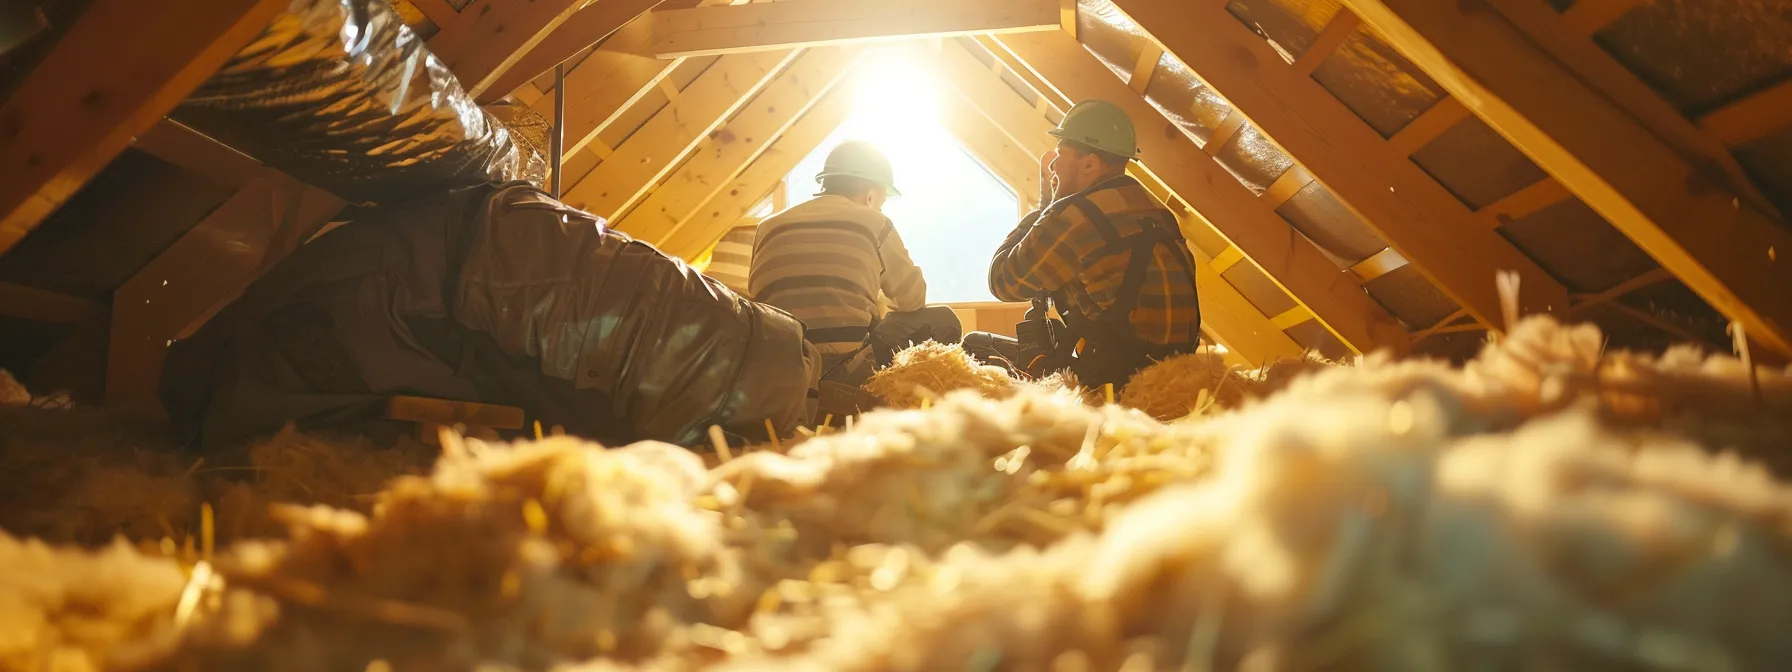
column 1471, row 276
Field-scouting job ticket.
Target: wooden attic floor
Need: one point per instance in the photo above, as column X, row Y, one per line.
column 1341, row 198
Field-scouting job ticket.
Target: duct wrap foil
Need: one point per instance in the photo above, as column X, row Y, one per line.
column 342, row 95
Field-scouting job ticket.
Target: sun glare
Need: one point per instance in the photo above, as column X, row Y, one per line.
column 895, row 100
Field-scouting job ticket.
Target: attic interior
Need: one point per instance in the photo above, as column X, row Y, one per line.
column 1495, row 336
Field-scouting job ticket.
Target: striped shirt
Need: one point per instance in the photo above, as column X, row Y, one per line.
column 825, row 261
column 1067, row 252
column 728, row 262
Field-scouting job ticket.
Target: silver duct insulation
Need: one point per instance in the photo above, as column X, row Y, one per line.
column 342, row 95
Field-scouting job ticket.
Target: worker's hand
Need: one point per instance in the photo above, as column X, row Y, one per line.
column 1048, row 182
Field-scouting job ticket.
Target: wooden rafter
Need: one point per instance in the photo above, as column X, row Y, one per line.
column 1584, row 59
column 1009, row 162
column 1589, row 16
column 626, row 175
column 42, row 305
column 175, row 143
column 746, row 190
column 607, row 84
column 730, row 149
column 1524, row 202
column 589, row 26
column 1339, row 29
column 808, row 23
column 116, row 72
column 1752, row 118
column 1248, row 222
column 1651, row 278
column 202, row 272
column 1411, row 211
column 1717, row 242
column 490, row 36
column 1434, row 122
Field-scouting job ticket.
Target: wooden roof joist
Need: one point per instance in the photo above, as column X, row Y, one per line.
column 808, row 23
column 1410, row 210
column 590, row 25
column 1249, row 223
column 724, row 153
column 1716, row 241
column 650, row 153
column 122, row 67
column 488, row 37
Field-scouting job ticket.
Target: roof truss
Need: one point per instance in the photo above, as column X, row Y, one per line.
column 809, row 23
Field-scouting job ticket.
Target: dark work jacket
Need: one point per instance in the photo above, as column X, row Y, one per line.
column 496, row 294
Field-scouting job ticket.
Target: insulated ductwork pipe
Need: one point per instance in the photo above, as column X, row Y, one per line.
column 342, row 95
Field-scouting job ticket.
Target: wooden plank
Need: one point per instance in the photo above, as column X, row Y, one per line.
column 746, row 191
column 449, row 413
column 590, row 25
column 1394, row 196
column 1442, row 117
column 1379, row 264
column 1598, row 71
column 1223, row 133
column 42, row 305
column 606, row 84
column 1048, row 95
column 1224, row 261
column 175, row 143
column 116, row 72
column 810, row 23
column 1653, row 277
column 1291, row 317
column 494, row 35
column 652, row 152
column 201, row 273
column 1247, row 222
column 1752, row 118
column 1235, row 322
column 1142, row 69
column 1524, row 202
column 1590, row 16
column 1340, row 28
column 726, row 152
column 1717, row 243
column 1285, row 187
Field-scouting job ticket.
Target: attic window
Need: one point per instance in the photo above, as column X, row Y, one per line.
column 953, row 211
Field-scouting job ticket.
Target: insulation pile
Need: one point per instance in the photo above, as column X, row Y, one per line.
column 1549, row 506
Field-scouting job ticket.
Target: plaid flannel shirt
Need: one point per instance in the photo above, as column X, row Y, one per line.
column 1062, row 253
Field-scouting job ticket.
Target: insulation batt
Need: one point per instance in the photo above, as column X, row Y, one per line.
column 1548, row 506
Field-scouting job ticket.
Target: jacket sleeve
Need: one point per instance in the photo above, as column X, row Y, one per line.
column 1035, row 260
column 902, row 280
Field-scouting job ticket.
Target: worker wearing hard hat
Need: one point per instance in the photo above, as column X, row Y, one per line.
column 1106, row 255
column 826, row 261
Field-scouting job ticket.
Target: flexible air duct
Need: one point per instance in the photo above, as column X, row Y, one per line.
column 342, row 95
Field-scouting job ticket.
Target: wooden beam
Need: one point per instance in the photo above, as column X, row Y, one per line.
column 730, row 149
column 1752, row 118
column 1339, row 29
column 654, row 150
column 1442, row 117
column 1224, row 261
column 1718, row 244
column 606, row 84
column 1411, row 211
column 1653, row 277
column 121, row 67
column 1223, row 133
column 1599, row 71
column 1590, row 16
column 1247, row 222
column 1048, row 95
column 1291, row 317
column 1285, row 187
column 175, row 143
column 1235, row 321
column 746, row 190
column 1523, row 203
column 1379, row 264
column 590, row 25
column 494, row 35
column 809, row 23
column 201, row 273
column 1143, row 68
column 42, row 305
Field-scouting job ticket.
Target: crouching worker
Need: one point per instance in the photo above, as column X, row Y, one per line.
column 497, row 294
column 827, row 259
column 1106, row 254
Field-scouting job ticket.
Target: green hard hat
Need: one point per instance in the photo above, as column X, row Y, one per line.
column 857, row 158
column 1099, row 124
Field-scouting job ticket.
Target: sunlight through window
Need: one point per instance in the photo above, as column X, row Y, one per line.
column 953, row 212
